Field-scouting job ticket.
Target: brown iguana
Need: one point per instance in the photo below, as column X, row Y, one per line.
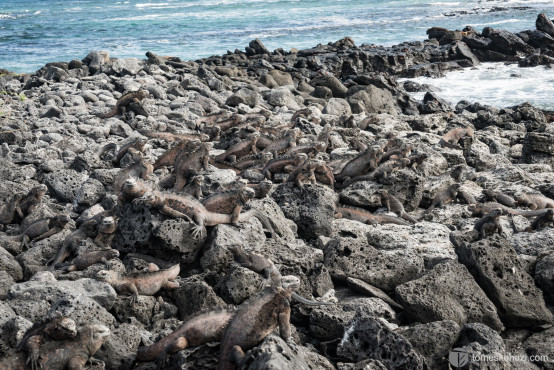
column 199, row 329
column 489, row 224
column 139, row 169
column 10, row 209
column 137, row 144
column 381, row 172
column 189, row 208
column 141, row 282
column 230, row 202
column 542, row 221
column 88, row 259
column 72, row 354
column 52, row 327
column 481, row 209
column 253, row 161
column 255, row 319
column 394, row 205
column 366, row 217
column 281, row 145
column 194, row 188
column 452, row 137
column 306, row 172
column 172, row 136
column 534, row 201
column 106, row 232
column 499, row 197
column 361, row 164
column 33, row 199
column 72, row 241
column 240, row 149
column 132, row 189
column 188, row 164
column 124, row 103
column 443, row 197
column 262, row 189
column 397, row 153
column 311, row 150
column 278, row 165
column 42, row 229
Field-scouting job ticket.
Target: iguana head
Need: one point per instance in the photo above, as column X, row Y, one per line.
column 290, row 282
column 39, row 191
column 141, row 142
column 198, row 180
column 64, row 328
column 130, row 182
column 61, row 220
column 247, row 193
column 105, row 275
column 267, row 156
column 550, row 214
column 108, row 225
column 112, row 253
column 497, row 212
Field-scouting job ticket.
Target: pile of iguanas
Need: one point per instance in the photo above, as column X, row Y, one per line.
column 261, row 155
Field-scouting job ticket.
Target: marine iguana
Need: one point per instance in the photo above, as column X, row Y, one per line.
column 255, row 319
column 542, row 221
column 443, row 197
column 499, row 197
column 534, row 201
column 281, row 145
column 106, row 233
column 278, row 165
column 202, row 328
column 366, row 217
column 83, row 261
column 394, row 205
column 10, row 209
column 72, row 354
column 42, row 229
column 311, row 150
column 397, row 153
column 381, row 172
column 188, row 164
column 307, row 172
column 489, row 224
column 240, row 149
column 189, row 208
column 32, row 200
column 139, row 169
column 230, row 202
column 141, row 282
column 452, row 137
column 72, row 241
column 262, row 189
column 361, row 164
column 133, row 189
column 53, row 327
column 466, row 196
column 124, row 103
column 137, row 144
column 172, row 136
column 194, row 188
column 482, row 209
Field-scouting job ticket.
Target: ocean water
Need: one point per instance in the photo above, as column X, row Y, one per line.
column 35, row 32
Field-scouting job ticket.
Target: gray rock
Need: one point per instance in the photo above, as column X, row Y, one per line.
column 257, row 47
column 142, row 310
column 65, row 184
column 82, row 309
column 432, row 340
column 9, row 264
column 176, row 235
column 50, row 290
column 349, row 257
column 311, row 208
column 194, row 296
column 331, row 82
column 6, row 313
column 479, row 341
column 337, row 107
column 119, row 351
column 282, row 78
column 243, row 96
column 91, row 192
column 371, row 99
column 544, row 275
column 239, row 284
column 6, row 281
column 541, row 346
column 282, row 98
column 362, row 365
column 274, row 353
column 369, row 290
column 494, row 265
column 370, row 338
column 447, row 292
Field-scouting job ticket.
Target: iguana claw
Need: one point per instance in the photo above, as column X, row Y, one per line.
column 198, row 232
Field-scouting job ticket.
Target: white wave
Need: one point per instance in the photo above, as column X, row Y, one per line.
column 495, row 84
column 6, row 16
column 37, row 12
column 146, row 5
column 512, row 20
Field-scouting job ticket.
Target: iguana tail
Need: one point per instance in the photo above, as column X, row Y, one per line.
column 448, row 145
column 106, row 148
column 301, row 299
column 260, row 216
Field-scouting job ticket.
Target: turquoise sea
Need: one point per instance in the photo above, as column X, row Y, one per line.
column 34, row 32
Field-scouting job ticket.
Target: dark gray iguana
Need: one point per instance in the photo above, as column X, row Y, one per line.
column 124, row 103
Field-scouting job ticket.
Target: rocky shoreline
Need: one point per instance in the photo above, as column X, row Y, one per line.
column 319, row 165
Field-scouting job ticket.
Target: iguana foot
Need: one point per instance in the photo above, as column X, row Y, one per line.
column 25, row 243
column 33, row 360
column 292, row 344
column 198, row 232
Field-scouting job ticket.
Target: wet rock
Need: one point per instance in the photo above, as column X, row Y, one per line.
column 543, row 23
column 274, row 353
column 370, row 338
column 447, row 292
column 256, row 47
column 494, row 265
column 349, row 257
column 311, row 208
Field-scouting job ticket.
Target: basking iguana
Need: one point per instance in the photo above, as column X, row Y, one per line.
column 124, row 103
